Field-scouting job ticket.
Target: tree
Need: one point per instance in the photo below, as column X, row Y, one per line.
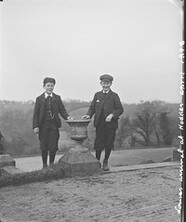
column 1, row 143
column 124, row 130
column 145, row 120
column 159, row 107
column 165, row 129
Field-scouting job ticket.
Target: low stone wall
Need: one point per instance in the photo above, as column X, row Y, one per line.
column 6, row 160
column 7, row 165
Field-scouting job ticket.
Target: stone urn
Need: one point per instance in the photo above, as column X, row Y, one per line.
column 79, row 161
column 79, row 133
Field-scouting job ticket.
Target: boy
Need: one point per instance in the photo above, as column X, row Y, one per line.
column 107, row 107
column 46, row 121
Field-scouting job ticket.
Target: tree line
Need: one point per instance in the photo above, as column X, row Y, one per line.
column 152, row 125
column 146, row 124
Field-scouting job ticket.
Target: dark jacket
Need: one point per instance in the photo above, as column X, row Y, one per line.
column 111, row 104
column 58, row 108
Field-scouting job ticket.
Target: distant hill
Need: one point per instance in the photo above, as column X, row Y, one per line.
column 16, row 106
column 78, row 113
column 129, row 110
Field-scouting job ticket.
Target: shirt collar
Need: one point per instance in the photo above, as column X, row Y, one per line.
column 46, row 95
column 106, row 91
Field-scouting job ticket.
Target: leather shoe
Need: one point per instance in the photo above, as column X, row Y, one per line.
column 44, row 166
column 105, row 166
column 51, row 164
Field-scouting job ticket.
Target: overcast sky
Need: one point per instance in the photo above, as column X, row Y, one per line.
column 75, row 41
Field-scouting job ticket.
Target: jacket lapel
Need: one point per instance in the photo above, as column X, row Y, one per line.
column 109, row 93
column 54, row 97
column 42, row 106
column 43, row 98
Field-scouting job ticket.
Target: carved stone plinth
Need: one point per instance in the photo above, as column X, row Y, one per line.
column 79, row 161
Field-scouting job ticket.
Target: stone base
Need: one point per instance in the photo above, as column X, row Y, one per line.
column 6, row 160
column 79, row 162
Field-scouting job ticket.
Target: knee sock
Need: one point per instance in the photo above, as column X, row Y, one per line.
column 52, row 156
column 44, row 154
column 98, row 154
column 107, row 154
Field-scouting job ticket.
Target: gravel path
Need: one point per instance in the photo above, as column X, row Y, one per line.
column 132, row 196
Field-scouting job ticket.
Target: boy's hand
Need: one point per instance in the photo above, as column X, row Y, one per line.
column 70, row 118
column 109, row 117
column 36, row 130
column 85, row 117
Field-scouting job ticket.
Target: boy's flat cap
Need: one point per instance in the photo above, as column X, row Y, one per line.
column 106, row 77
column 48, row 79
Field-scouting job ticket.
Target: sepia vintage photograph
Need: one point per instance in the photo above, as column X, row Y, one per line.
column 92, row 110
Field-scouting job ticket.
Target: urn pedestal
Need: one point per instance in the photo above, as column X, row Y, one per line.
column 79, row 161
